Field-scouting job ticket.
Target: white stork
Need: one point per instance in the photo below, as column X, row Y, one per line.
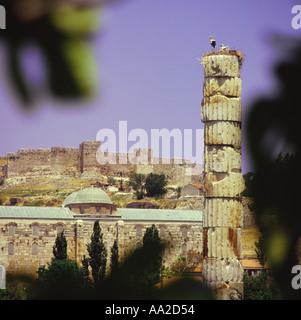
column 213, row 42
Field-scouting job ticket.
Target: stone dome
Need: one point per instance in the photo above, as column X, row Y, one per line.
column 88, row 195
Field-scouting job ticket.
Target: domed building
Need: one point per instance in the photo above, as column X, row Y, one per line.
column 90, row 200
column 27, row 234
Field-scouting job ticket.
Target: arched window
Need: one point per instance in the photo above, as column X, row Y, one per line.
column 184, row 232
column 11, row 249
column 34, row 248
column 138, row 245
column 184, row 248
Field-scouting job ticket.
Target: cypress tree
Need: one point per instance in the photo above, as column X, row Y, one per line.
column 97, row 253
column 152, row 251
column 86, row 273
column 114, row 256
column 60, row 247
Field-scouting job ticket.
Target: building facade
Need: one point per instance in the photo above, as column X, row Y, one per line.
column 27, row 234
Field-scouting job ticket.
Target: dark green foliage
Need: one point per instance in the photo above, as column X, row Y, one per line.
column 4, row 293
column 97, row 254
column 62, row 38
column 152, row 244
column 152, row 185
column 136, row 276
column 260, row 287
column 111, row 180
column 249, row 184
column 155, row 185
column 137, row 182
column 61, row 279
column 274, row 123
column 60, row 247
column 139, row 195
column 86, row 272
column 178, row 190
column 114, row 256
column 121, row 188
column 260, row 250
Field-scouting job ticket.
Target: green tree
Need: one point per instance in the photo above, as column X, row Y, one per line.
column 114, row 256
column 259, row 287
column 60, row 247
column 111, row 180
column 178, row 190
column 137, row 182
column 97, row 253
column 121, row 188
column 61, row 279
column 152, row 246
column 260, row 250
column 155, row 185
column 86, row 272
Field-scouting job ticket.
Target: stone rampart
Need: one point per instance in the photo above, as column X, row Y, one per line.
column 87, row 162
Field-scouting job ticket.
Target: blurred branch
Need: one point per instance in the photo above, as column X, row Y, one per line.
column 277, row 183
column 62, row 30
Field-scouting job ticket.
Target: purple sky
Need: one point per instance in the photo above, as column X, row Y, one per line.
column 148, row 72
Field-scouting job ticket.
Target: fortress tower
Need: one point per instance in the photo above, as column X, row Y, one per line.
column 223, row 214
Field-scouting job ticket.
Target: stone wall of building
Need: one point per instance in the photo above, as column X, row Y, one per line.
column 26, row 244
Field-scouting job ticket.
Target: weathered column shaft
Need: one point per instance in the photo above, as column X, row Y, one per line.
column 223, row 213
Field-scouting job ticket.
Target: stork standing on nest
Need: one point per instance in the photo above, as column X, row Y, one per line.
column 213, row 42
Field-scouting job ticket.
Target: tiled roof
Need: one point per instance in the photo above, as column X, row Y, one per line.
column 160, row 214
column 25, row 212
column 126, row 214
column 252, row 264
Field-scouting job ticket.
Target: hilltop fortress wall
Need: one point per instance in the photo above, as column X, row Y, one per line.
column 32, row 164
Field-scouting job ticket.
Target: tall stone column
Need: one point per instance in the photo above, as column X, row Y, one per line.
column 223, row 213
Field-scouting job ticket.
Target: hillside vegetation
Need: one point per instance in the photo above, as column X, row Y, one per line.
column 47, row 192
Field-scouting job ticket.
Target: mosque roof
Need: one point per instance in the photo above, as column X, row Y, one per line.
column 19, row 212
column 160, row 214
column 88, row 195
column 96, row 195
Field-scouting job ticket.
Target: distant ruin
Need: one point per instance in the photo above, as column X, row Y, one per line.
column 32, row 164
